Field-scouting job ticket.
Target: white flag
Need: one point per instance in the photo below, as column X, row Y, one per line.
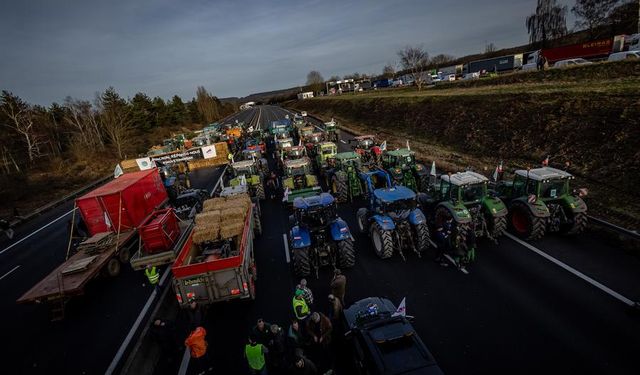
column 408, row 148
column 495, row 174
column 433, row 169
column 286, row 195
column 383, row 146
column 243, row 180
column 118, row 171
column 107, row 221
column 402, row 309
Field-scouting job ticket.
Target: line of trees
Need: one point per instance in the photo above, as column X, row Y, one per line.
column 76, row 129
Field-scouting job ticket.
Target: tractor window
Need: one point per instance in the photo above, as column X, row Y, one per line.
column 401, row 205
column 473, row 192
column 553, row 188
column 518, row 185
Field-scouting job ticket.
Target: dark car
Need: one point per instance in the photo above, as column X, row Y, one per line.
column 189, row 203
column 386, row 344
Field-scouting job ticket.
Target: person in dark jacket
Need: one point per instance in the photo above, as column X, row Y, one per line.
column 303, row 366
column 262, row 331
column 339, row 285
column 195, row 315
column 277, row 349
column 164, row 333
column 319, row 329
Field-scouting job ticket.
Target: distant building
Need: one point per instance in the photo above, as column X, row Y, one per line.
column 305, row 95
column 247, row 105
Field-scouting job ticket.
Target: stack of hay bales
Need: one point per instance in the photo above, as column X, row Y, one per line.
column 222, row 150
column 221, row 218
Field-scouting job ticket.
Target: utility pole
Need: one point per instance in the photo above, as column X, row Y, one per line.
column 638, row 16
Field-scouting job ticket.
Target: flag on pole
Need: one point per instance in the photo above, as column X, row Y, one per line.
column 107, row 221
column 433, row 169
column 285, row 195
column 243, row 180
column 545, row 162
column 408, row 148
column 402, row 309
column 383, row 146
column 497, row 172
column 118, row 171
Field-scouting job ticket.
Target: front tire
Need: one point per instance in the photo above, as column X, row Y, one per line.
column 301, row 262
column 346, row 254
column 260, row 190
column 422, row 237
column 339, row 181
column 382, row 241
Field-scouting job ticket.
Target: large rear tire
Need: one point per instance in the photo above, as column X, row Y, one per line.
column 346, row 254
column 339, row 181
column 257, row 223
column 382, row 241
column 301, row 262
column 260, row 190
column 363, row 223
column 422, row 237
column 113, row 267
column 524, row 224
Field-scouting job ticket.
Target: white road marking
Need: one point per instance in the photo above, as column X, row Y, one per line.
column 462, row 269
column 32, row 233
column 343, row 141
column 286, row 247
column 10, row 272
column 136, row 324
column 577, row 273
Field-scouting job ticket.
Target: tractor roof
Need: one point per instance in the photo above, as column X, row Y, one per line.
column 323, row 199
column 544, row 173
column 347, row 155
column 394, row 194
column 242, row 164
column 296, row 163
column 327, row 144
column 282, row 140
column 464, row 178
column 400, row 152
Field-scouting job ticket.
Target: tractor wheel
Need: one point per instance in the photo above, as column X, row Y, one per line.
column 422, row 237
column 363, row 223
column 339, row 182
column 260, row 191
column 382, row 241
column 578, row 226
column 524, row 224
column 113, row 267
column 496, row 226
column 301, row 262
column 346, row 254
column 424, row 183
column 257, row 228
column 125, row 255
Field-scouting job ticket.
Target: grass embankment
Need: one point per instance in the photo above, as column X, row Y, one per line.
column 588, row 116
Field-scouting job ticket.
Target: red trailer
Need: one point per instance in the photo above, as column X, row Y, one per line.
column 587, row 50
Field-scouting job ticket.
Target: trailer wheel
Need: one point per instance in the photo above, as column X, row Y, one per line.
column 301, row 262
column 113, row 267
column 125, row 255
column 346, row 254
column 257, row 223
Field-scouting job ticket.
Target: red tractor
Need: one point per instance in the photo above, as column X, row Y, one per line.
column 368, row 149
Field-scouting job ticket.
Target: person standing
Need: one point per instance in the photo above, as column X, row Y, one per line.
column 195, row 314
column 300, row 307
column 163, row 332
column 277, row 349
column 335, row 311
column 319, row 329
column 5, row 226
column 197, row 344
column 152, row 274
column 307, row 294
column 254, row 353
column 295, row 337
column 262, row 332
column 339, row 285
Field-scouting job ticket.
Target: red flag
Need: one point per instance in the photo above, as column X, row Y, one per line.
column 545, row 162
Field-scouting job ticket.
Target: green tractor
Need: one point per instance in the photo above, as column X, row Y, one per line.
column 305, row 132
column 465, row 200
column 332, row 130
column 324, row 152
column 404, row 170
column 246, row 172
column 299, row 180
column 342, row 173
column 541, row 200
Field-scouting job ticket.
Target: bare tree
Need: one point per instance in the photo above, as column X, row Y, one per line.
column 21, row 120
column 82, row 117
column 115, row 119
column 489, row 48
column 548, row 22
column 441, row 59
column 388, row 71
column 207, row 105
column 315, row 80
column 591, row 14
column 334, row 78
column 414, row 59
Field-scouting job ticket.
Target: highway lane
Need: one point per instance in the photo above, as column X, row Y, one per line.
column 514, row 312
column 95, row 323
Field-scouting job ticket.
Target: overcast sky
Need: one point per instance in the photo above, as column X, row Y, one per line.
column 51, row 49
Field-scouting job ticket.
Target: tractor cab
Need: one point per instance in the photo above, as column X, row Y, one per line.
column 314, row 138
column 244, row 168
column 251, row 153
column 365, row 142
column 315, row 211
column 466, row 187
column 399, row 159
column 331, row 128
column 306, row 132
column 346, row 161
column 545, row 183
column 283, row 143
column 324, row 151
column 297, row 167
column 293, row 152
column 396, row 202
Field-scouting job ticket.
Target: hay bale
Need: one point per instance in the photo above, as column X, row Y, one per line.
column 212, row 204
column 232, row 213
column 231, row 229
column 207, row 217
column 203, row 233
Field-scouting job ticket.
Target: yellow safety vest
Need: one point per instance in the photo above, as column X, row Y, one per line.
column 255, row 357
column 305, row 309
column 152, row 275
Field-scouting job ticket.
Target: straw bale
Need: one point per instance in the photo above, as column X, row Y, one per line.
column 231, row 229
column 232, row 213
column 212, row 204
column 207, row 217
column 206, row 233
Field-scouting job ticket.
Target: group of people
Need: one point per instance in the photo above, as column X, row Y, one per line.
column 304, row 347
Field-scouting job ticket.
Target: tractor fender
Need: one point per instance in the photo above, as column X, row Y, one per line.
column 416, row 217
column 538, row 209
column 574, row 204
column 458, row 212
column 312, row 180
column 299, row 237
column 421, row 170
column 385, row 222
column 495, row 206
column 340, row 230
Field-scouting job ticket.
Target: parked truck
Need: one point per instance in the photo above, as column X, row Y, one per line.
column 588, row 50
column 496, row 64
column 112, row 214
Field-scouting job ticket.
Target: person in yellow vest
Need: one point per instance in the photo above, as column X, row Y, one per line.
column 300, row 307
column 152, row 274
column 254, row 353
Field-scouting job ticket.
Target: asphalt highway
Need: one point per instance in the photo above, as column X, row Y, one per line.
column 95, row 324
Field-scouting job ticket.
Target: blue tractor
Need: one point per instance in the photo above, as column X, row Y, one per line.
column 392, row 217
column 318, row 236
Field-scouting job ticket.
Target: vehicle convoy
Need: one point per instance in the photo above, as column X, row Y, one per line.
column 342, row 174
column 541, row 200
column 332, row 130
column 217, row 261
column 589, row 50
column 324, row 152
column 367, row 147
column 282, row 144
column 256, row 155
column 312, row 141
column 392, row 218
column 318, row 236
column 402, row 166
column 112, row 213
column 247, row 172
column 299, row 180
column 384, row 341
column 508, row 63
column 281, row 128
column 474, row 211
